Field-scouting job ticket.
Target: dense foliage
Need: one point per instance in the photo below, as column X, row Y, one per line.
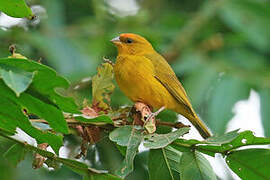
column 219, row 49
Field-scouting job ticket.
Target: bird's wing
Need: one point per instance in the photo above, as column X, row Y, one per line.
column 166, row 76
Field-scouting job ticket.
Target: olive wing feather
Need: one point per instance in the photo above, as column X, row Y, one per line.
column 166, row 76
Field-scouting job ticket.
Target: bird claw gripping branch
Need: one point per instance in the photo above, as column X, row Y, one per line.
column 147, row 117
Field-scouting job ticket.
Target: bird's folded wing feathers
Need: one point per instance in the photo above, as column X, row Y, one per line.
column 166, row 76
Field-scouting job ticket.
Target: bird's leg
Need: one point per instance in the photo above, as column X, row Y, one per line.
column 153, row 115
column 150, row 122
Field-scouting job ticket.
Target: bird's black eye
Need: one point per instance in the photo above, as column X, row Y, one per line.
column 129, row 41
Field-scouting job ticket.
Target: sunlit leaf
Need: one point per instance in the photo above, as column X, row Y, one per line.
column 99, row 119
column 16, row 8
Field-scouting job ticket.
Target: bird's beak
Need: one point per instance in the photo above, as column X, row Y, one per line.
column 116, row 40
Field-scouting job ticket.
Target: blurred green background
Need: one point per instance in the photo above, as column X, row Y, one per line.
column 220, row 49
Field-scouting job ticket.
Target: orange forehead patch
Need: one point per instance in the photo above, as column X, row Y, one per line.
column 128, row 35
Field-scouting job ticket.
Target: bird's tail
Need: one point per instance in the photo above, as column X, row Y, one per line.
column 200, row 126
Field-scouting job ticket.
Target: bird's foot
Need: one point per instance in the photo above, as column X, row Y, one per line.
column 154, row 114
column 150, row 122
column 146, row 117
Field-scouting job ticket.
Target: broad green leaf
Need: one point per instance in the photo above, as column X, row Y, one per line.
column 16, row 79
column 16, row 8
column 102, row 86
column 38, row 107
column 250, row 164
column 13, row 117
column 15, row 154
column 223, row 143
column 132, row 140
column 239, row 13
column 38, row 86
column 159, row 166
column 265, row 110
column 243, row 139
column 156, row 141
column 121, row 135
column 222, row 139
column 214, row 140
column 99, row 119
column 50, row 113
column 174, row 157
column 227, row 92
column 194, row 165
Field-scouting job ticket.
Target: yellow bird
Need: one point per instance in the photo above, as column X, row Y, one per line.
column 145, row 76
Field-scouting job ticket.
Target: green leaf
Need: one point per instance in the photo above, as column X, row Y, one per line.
column 74, row 165
column 121, row 135
column 243, row 139
column 265, row 111
column 16, row 8
column 102, row 86
column 99, row 119
column 16, row 79
column 222, row 139
column 50, row 113
column 88, row 172
column 223, row 143
column 220, row 108
column 132, row 139
column 239, row 13
column 13, row 117
column 38, row 107
column 45, row 81
column 174, row 157
column 156, row 141
column 250, row 164
column 214, row 140
column 15, row 154
column 194, row 165
column 158, row 165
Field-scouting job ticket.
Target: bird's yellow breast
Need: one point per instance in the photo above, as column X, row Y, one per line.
column 135, row 77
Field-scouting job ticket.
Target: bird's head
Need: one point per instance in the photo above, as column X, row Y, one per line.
column 132, row 44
